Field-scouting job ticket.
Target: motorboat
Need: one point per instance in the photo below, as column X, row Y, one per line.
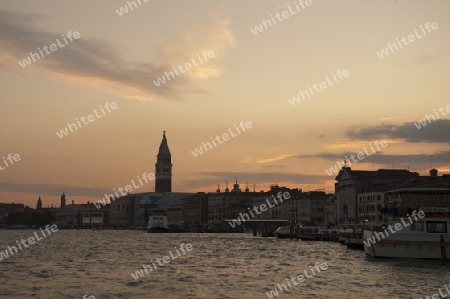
column 157, row 222
column 409, row 237
column 284, row 232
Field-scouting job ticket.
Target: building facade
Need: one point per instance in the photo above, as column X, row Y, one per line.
column 82, row 216
column 228, row 205
column 369, row 204
column 350, row 183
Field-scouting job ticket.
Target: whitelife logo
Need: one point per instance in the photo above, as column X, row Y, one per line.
column 423, row 123
column 187, row 65
column 262, row 207
column 27, row 61
column 10, row 158
column 123, row 10
column 284, row 15
column 411, row 38
column 323, row 85
column 140, row 273
column 282, row 287
column 102, row 202
column 90, row 118
column 198, row 151
column 31, row 240
column 397, row 227
column 360, row 156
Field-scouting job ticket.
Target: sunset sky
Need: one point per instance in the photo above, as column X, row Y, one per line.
column 250, row 78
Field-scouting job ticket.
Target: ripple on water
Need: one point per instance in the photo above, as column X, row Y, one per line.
column 73, row 263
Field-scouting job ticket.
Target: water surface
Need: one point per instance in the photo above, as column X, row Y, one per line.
column 73, row 263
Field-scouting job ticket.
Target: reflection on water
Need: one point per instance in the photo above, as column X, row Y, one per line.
column 71, row 263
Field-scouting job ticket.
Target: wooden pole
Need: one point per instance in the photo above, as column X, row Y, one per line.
column 443, row 253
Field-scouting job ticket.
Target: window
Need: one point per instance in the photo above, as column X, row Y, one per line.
column 436, row 227
column 417, row 226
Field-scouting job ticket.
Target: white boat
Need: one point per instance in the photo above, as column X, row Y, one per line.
column 284, row 232
column 157, row 223
column 424, row 238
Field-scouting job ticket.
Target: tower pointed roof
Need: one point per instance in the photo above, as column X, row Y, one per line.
column 163, row 147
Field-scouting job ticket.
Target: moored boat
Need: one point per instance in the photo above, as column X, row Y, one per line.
column 284, row 232
column 157, row 222
column 355, row 237
column 343, row 235
column 322, row 235
column 308, row 233
column 410, row 237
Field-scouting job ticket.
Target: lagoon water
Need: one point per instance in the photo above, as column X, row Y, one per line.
column 74, row 263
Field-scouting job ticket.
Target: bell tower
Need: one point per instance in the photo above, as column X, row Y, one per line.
column 163, row 166
column 39, row 204
column 63, row 200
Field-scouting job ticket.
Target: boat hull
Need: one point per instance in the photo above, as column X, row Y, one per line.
column 307, row 237
column 355, row 243
column 426, row 246
column 285, row 233
column 158, row 230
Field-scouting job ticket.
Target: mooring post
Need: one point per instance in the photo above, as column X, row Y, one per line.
column 443, row 253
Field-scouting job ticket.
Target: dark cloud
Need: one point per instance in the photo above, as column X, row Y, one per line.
column 380, row 158
column 92, row 59
column 214, row 178
column 53, row 190
column 433, row 132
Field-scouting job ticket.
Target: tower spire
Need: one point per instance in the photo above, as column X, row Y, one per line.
column 164, row 147
column 39, row 203
column 163, row 166
column 63, row 200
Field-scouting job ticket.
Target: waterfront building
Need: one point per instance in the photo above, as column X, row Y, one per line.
column 175, row 216
column 403, row 201
column 279, row 209
column 228, row 205
column 313, row 208
column 190, row 213
column 330, row 211
column 81, row 216
column 303, row 208
column 132, row 210
column 196, row 212
column 8, row 208
column 318, row 201
column 350, row 183
column 369, row 204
